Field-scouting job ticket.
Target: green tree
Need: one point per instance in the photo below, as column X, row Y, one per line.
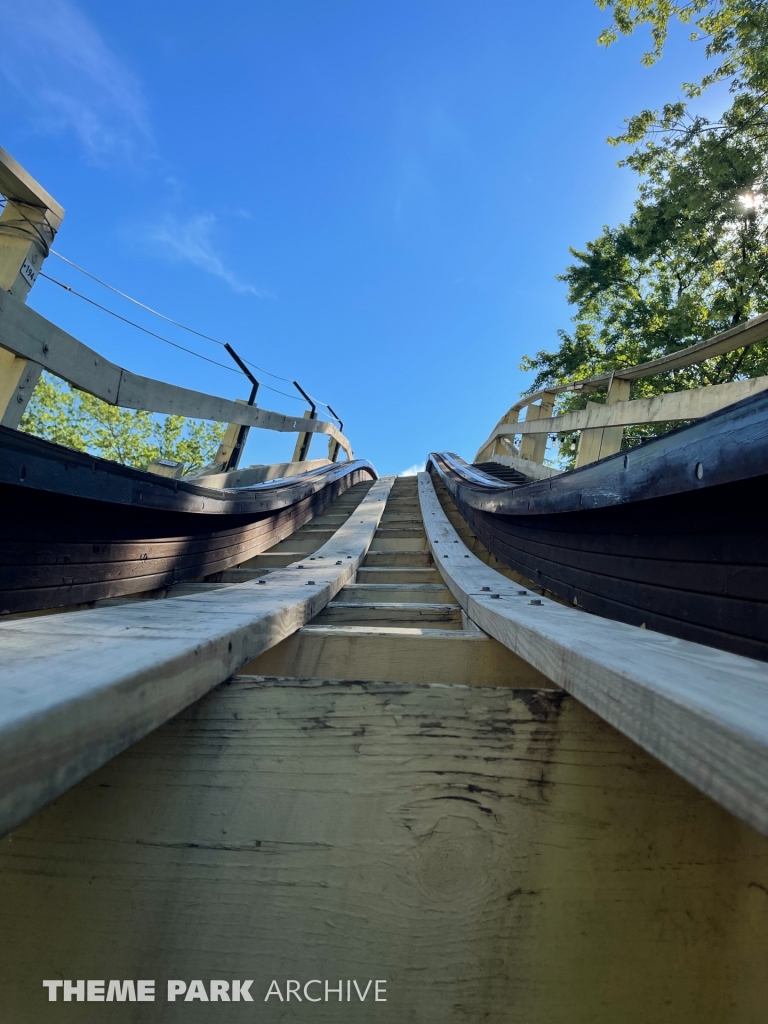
column 58, row 413
column 693, row 258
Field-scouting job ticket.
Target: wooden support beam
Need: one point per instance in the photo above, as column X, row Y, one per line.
column 496, row 444
column 392, row 612
column 528, row 443
column 430, row 592
column 703, row 712
column 601, row 442
column 691, row 404
column 25, row 333
column 77, row 688
column 397, row 654
column 301, row 451
column 28, row 225
column 533, row 447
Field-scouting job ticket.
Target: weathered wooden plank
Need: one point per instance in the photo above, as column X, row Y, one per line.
column 414, row 559
column 701, row 711
column 392, row 591
column 392, row 612
column 676, row 405
column 17, row 183
column 397, row 575
column 397, row 654
column 498, row 855
column 75, row 689
column 26, row 333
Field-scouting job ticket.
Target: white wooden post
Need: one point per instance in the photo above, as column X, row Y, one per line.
column 28, row 225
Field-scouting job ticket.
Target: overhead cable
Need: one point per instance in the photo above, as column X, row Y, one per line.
column 159, row 337
column 162, row 316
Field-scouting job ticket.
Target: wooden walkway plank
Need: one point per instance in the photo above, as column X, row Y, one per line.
column 701, row 711
column 77, row 688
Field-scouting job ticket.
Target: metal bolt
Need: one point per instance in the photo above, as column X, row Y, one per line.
column 261, row 581
column 535, row 601
column 495, row 595
column 485, row 588
column 523, row 592
column 699, row 468
column 339, row 562
column 311, row 583
column 301, row 566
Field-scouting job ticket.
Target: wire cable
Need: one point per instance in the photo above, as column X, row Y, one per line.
column 49, row 251
column 162, row 316
column 184, row 327
column 160, row 337
column 85, row 298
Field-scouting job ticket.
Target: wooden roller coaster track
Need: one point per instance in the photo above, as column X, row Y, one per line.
column 495, row 735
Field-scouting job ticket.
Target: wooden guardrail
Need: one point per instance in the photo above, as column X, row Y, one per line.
column 27, row 334
column 601, row 426
column 29, row 343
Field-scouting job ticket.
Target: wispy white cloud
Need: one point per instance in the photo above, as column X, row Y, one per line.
column 418, row 467
column 192, row 241
column 64, row 72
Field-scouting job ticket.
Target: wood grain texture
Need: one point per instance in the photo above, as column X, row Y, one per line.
column 75, row 689
column 398, row 654
column 499, row 856
column 702, row 712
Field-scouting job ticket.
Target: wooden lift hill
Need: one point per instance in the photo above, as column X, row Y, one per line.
column 492, row 735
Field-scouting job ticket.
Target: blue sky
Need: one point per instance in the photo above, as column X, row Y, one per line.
column 372, row 199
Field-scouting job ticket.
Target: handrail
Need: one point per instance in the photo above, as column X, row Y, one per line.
column 663, row 408
column 690, row 404
column 26, row 333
